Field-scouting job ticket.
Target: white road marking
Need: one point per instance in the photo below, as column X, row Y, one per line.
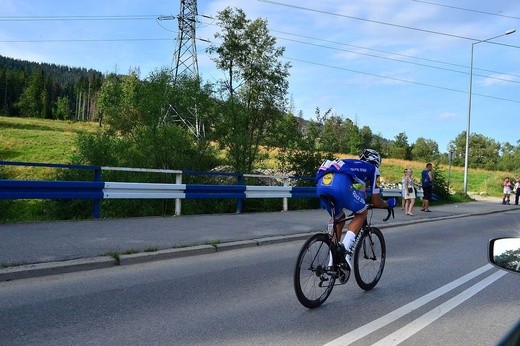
column 429, row 317
column 371, row 327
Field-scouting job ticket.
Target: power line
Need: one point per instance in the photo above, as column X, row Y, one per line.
column 382, row 23
column 74, row 18
column 467, row 9
column 368, row 20
column 399, row 80
column 391, row 53
column 397, row 60
column 87, row 40
column 403, row 61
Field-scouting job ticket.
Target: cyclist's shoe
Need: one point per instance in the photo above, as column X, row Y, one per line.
column 340, row 253
column 343, row 273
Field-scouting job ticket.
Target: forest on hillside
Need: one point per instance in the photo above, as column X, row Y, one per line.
column 48, row 91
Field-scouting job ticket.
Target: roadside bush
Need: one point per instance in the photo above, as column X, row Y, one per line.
column 164, row 147
column 440, row 184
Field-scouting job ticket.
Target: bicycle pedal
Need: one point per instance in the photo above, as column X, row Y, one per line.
column 323, row 279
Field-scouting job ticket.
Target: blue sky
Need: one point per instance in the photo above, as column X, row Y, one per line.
column 393, row 65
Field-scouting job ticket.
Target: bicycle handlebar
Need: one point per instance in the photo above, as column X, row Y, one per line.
column 390, row 212
column 371, row 206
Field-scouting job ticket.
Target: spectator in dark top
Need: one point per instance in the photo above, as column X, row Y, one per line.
column 427, row 186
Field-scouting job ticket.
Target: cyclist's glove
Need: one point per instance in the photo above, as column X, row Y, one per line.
column 392, row 202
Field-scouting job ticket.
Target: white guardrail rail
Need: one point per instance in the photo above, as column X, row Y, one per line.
column 98, row 189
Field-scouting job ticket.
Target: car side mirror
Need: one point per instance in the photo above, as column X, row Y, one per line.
column 505, row 253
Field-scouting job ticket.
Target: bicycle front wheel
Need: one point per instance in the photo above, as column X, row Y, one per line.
column 369, row 258
column 313, row 280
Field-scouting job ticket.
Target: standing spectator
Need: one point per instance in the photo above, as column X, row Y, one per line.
column 403, row 190
column 410, row 193
column 517, row 191
column 507, row 191
column 427, row 186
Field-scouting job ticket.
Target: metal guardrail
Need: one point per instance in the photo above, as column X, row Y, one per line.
column 97, row 190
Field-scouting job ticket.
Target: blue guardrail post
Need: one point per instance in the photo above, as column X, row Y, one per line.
column 96, row 208
column 240, row 201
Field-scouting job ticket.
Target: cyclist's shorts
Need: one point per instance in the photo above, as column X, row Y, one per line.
column 340, row 187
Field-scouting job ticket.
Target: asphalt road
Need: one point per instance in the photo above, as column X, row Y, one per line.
column 437, row 289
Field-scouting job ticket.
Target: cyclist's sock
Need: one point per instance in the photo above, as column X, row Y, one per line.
column 349, row 239
column 348, row 242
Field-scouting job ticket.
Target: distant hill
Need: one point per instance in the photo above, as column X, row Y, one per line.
column 64, row 74
column 49, row 91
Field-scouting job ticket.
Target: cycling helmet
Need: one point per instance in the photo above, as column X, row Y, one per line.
column 372, row 156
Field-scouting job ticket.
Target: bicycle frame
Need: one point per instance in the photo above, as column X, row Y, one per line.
column 366, row 227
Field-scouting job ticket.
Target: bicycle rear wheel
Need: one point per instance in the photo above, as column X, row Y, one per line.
column 369, row 258
column 312, row 281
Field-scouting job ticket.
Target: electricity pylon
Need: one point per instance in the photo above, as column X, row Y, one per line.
column 185, row 57
column 185, row 63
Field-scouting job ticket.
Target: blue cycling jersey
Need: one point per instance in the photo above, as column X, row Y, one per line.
column 361, row 172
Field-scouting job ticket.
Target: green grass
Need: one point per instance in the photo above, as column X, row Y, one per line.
column 39, row 140
column 53, row 141
column 483, row 182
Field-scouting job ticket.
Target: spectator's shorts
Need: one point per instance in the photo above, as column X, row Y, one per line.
column 427, row 192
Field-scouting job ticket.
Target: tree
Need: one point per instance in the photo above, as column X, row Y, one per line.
column 254, row 91
column 331, row 133
column 142, row 114
column 509, row 259
column 351, row 137
column 381, row 145
column 287, row 134
column 187, row 102
column 426, row 150
column 304, row 156
column 62, row 110
column 510, row 157
column 176, row 116
column 483, row 152
column 440, row 185
column 367, row 138
column 12, row 84
column 118, row 102
column 30, row 102
column 400, row 149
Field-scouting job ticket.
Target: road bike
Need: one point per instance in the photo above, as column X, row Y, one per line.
column 315, row 277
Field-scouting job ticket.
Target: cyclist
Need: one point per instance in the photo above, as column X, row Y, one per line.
column 349, row 181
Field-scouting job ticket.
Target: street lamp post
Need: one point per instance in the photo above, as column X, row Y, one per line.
column 466, row 159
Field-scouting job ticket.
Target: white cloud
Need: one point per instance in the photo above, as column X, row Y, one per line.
column 502, row 79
